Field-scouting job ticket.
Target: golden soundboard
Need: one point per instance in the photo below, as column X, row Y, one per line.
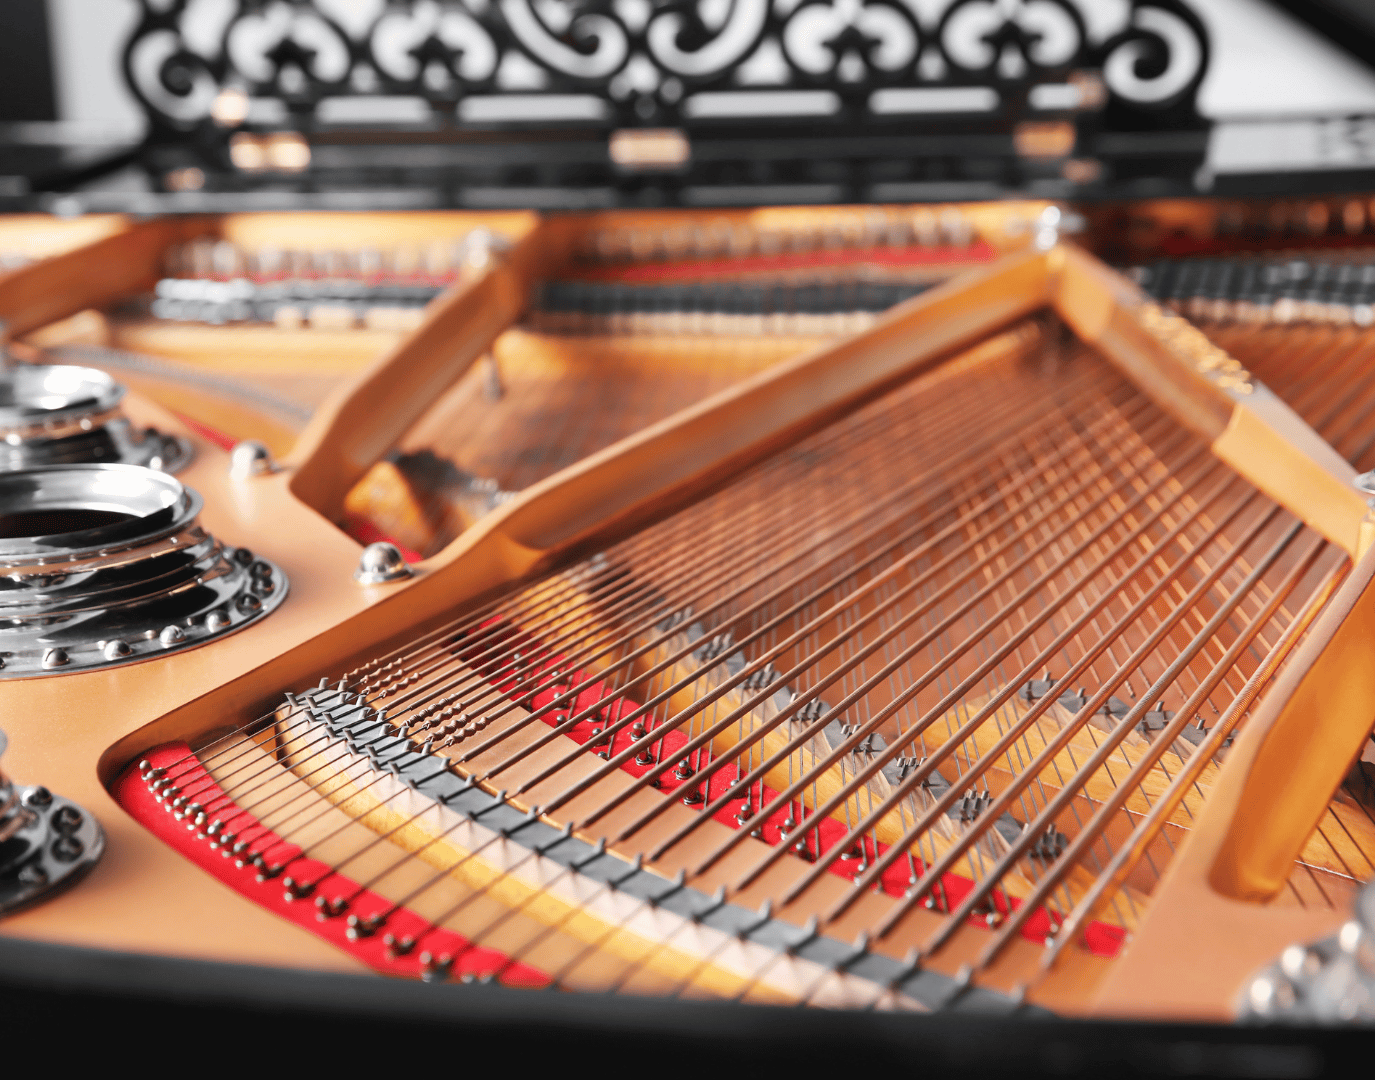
column 886, row 607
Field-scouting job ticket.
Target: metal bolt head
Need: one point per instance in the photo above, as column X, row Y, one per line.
column 216, row 621
column 55, row 658
column 381, row 563
column 1261, row 993
column 66, row 819
column 171, row 635
column 248, row 459
column 1298, row 962
column 33, row 874
column 66, row 848
column 115, row 649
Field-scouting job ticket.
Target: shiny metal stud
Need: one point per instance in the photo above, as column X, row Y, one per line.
column 216, row 621
column 55, row 658
column 250, row 458
column 113, row 650
column 171, row 635
column 381, row 563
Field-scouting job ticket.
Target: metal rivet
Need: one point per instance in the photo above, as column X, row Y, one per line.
column 248, row 604
column 381, row 563
column 56, row 658
column 171, row 635
column 250, row 458
column 216, row 621
column 115, row 649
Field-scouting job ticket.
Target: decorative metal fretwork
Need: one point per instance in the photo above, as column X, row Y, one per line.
column 202, row 68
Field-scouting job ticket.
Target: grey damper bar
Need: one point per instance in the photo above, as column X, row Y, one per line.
column 361, row 729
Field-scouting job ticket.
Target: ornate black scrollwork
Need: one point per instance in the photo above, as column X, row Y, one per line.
column 732, row 70
column 1157, row 61
column 647, row 59
column 1034, row 40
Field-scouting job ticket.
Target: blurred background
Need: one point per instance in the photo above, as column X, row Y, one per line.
column 1301, row 58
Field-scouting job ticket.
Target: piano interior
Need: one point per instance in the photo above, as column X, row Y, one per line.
column 903, row 558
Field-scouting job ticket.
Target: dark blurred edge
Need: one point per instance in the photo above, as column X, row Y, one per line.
column 1349, row 24
column 28, row 90
column 58, row 994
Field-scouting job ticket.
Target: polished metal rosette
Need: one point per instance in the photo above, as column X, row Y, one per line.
column 108, row 564
column 62, row 414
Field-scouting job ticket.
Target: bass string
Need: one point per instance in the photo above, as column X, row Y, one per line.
column 557, row 703
column 629, row 586
column 586, row 643
column 1139, row 771
column 432, row 636
column 1049, row 698
column 476, row 936
column 1303, row 366
column 779, row 681
column 1057, row 743
column 236, row 738
column 1130, row 852
column 1306, row 383
column 186, row 764
column 972, row 723
column 953, row 693
column 758, row 664
column 1052, row 698
column 1167, row 740
column 817, row 687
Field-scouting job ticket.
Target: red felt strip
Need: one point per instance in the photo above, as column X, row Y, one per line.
column 208, row 433
column 1102, row 939
column 468, row 960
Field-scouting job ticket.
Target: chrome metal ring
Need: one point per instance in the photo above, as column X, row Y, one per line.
column 54, row 414
column 108, row 564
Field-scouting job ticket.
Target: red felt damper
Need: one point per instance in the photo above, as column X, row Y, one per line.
column 450, row 950
column 1102, row 939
